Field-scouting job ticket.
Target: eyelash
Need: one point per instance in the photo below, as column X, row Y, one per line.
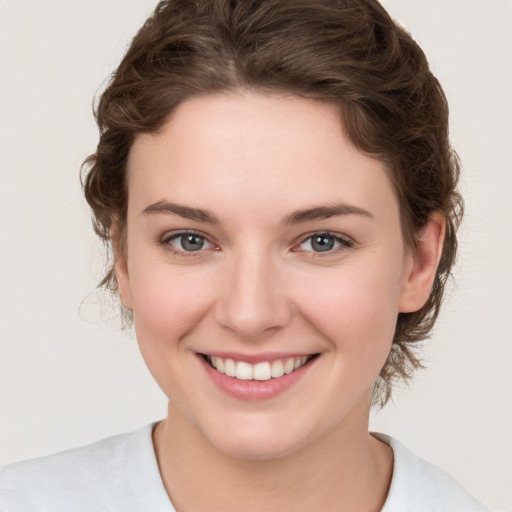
column 166, row 242
column 345, row 243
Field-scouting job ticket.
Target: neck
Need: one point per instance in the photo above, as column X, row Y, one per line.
column 345, row 470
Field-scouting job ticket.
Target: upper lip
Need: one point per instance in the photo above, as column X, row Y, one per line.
column 256, row 358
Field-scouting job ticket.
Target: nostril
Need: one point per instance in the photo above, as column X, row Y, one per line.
column 251, row 320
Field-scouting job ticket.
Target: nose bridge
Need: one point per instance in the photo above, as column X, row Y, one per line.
column 253, row 302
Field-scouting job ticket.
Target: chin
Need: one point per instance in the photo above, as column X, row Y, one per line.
column 256, row 447
column 257, row 440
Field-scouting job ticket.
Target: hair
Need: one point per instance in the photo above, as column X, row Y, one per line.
column 348, row 53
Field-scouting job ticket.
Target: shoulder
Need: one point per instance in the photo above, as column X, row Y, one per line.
column 420, row 486
column 106, row 475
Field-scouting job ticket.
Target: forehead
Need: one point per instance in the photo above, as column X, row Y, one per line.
column 259, row 152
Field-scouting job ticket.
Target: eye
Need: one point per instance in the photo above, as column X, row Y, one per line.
column 187, row 242
column 324, row 243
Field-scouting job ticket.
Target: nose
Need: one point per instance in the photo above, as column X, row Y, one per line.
column 253, row 303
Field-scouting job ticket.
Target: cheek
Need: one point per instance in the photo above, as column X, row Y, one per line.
column 356, row 309
column 167, row 303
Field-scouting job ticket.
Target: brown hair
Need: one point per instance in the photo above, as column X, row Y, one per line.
column 349, row 53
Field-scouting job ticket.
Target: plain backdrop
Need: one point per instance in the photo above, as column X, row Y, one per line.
column 69, row 376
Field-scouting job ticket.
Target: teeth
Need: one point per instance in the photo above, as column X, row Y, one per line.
column 229, row 367
column 219, row 364
column 289, row 365
column 243, row 371
column 260, row 371
column 277, row 369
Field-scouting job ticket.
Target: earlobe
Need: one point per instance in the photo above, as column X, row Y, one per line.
column 118, row 241
column 425, row 259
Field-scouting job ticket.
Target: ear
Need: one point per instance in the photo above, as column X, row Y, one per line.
column 118, row 241
column 424, row 259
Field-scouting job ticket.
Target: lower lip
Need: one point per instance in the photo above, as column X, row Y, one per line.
column 255, row 389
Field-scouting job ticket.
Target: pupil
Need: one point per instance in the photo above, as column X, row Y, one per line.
column 322, row 243
column 192, row 242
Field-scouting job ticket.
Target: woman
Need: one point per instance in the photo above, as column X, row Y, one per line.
column 276, row 183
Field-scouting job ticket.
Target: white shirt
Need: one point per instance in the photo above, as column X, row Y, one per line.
column 120, row 473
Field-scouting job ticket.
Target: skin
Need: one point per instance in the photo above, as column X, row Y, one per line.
column 258, row 286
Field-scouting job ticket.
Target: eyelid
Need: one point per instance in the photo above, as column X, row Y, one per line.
column 172, row 235
column 345, row 243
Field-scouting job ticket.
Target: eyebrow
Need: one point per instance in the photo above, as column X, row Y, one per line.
column 295, row 217
column 324, row 212
column 183, row 211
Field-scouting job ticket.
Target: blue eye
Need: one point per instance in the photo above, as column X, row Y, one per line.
column 324, row 242
column 187, row 242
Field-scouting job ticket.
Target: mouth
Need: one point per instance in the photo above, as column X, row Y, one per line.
column 261, row 371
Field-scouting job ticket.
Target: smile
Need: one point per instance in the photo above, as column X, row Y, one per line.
column 262, row 371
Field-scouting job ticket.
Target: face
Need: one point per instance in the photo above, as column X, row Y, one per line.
column 265, row 268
